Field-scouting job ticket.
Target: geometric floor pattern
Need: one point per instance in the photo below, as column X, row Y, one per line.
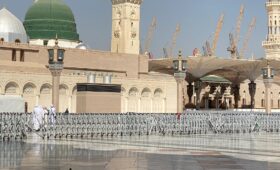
column 192, row 152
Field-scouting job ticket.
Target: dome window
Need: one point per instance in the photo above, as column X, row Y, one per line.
column 14, row 55
column 46, row 42
column 17, row 41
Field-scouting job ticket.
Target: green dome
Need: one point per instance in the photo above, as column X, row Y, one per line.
column 46, row 18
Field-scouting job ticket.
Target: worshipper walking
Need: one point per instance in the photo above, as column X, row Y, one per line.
column 52, row 115
column 37, row 117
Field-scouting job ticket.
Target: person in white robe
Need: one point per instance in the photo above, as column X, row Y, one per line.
column 52, row 116
column 35, row 122
column 37, row 117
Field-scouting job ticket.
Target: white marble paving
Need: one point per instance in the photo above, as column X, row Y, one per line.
column 212, row 151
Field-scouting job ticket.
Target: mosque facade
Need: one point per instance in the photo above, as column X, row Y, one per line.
column 24, row 63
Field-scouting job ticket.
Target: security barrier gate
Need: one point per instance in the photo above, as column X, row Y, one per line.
column 17, row 125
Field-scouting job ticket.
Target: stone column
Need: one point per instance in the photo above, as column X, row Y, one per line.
column 37, row 99
column 70, row 103
column 252, row 92
column 151, row 110
column 180, row 95
column 268, row 84
column 56, row 72
column 139, row 105
column 190, row 92
column 235, row 89
column 198, row 88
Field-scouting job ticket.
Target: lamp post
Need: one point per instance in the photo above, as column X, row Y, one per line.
column 268, row 74
column 56, row 57
column 180, row 66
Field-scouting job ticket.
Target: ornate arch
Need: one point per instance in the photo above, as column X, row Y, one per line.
column 46, row 88
column 29, row 88
column 12, row 88
column 17, row 40
column 146, row 92
column 133, row 100
column 133, row 91
column 158, row 92
column 158, row 101
column 63, row 89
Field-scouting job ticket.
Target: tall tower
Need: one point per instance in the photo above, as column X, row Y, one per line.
column 125, row 26
column 272, row 43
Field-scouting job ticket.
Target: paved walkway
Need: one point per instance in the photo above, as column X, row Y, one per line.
column 196, row 152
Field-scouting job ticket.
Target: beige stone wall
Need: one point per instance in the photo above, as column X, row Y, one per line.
column 260, row 95
column 154, row 92
column 142, row 91
column 129, row 64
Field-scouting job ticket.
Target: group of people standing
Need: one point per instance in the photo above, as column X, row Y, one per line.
column 41, row 115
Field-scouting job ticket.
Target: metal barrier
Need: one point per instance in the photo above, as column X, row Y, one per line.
column 15, row 125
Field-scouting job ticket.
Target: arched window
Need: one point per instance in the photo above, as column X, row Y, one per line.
column 22, row 55
column 45, row 89
column 133, row 100
column 63, row 90
column 158, row 101
column 11, row 88
column 146, row 92
column 133, row 91
column 29, row 89
column 146, row 101
column 17, row 41
column 14, row 55
column 262, row 103
column 243, row 101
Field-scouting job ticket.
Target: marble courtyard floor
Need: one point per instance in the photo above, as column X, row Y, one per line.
column 194, row 152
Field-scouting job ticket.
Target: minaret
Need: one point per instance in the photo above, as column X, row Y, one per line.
column 125, row 26
column 272, row 43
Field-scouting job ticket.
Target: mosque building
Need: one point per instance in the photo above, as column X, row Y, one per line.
column 24, row 59
column 24, row 63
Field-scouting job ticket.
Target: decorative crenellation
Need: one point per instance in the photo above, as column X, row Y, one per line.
column 114, row 2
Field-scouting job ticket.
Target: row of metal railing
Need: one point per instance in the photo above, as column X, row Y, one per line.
column 17, row 125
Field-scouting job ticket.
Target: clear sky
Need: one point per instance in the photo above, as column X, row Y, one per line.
column 198, row 19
